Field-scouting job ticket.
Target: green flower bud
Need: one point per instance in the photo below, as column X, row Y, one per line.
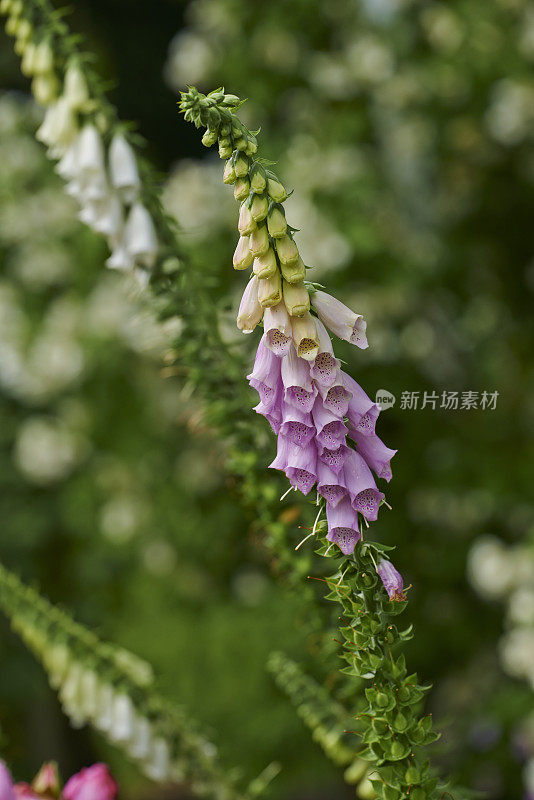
column 246, row 222
column 241, row 188
column 412, row 776
column 270, row 291
column 252, row 148
column 366, row 791
column 241, row 143
column 225, row 150
column 355, row 772
column 241, row 166
column 12, row 26
column 259, row 241
column 5, row 6
column 276, row 222
column 259, row 208
column 296, row 299
column 16, row 8
column 305, row 336
column 381, row 699
column 231, row 100
column 226, row 130
column 210, row 137
column 258, row 180
column 229, row 175
column 25, row 30
column 287, row 250
column 27, row 65
column 243, row 258
column 265, row 266
column 418, row 794
column 276, row 190
column 295, row 272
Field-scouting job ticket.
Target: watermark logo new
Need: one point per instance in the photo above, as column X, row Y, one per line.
column 384, row 399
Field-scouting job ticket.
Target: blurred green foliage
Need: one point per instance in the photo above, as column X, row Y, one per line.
column 407, row 131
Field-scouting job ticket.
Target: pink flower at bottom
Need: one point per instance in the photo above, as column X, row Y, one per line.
column 6, row 784
column 91, row 783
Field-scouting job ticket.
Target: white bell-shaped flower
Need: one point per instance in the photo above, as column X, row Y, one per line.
column 91, row 151
column 89, row 693
column 104, row 716
column 123, row 713
column 123, row 168
column 58, row 128
column 157, row 764
column 120, row 259
column 75, row 88
column 68, row 167
column 140, row 236
column 110, row 218
column 139, row 746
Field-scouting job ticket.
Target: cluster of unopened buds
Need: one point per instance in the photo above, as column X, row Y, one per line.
column 91, row 783
column 106, row 185
column 323, row 420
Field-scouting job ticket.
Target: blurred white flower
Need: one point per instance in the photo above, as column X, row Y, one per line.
column 46, row 451
column 198, row 199
column 521, row 606
column 122, row 516
column 190, row 61
column 160, row 557
column 369, row 60
column 517, row 653
column 510, row 115
column 489, row 567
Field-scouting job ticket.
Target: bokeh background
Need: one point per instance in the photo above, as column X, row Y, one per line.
column 407, row 131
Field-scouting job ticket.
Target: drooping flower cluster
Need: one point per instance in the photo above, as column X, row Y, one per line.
column 323, row 420
column 91, row 783
column 106, row 184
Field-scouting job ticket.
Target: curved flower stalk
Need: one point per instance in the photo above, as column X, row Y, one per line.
column 91, row 783
column 113, row 690
column 325, row 428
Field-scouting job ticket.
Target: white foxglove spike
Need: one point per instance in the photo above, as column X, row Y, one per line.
column 123, row 715
column 157, row 764
column 140, row 236
column 123, row 168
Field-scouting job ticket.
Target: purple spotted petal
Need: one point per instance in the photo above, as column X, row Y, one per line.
column 297, row 425
column 298, row 463
column 375, row 452
column 361, row 486
column 334, row 459
column 343, row 527
column 336, row 398
column 361, row 412
column 299, row 389
column 329, row 485
column 325, row 368
column 265, row 376
column 331, row 430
